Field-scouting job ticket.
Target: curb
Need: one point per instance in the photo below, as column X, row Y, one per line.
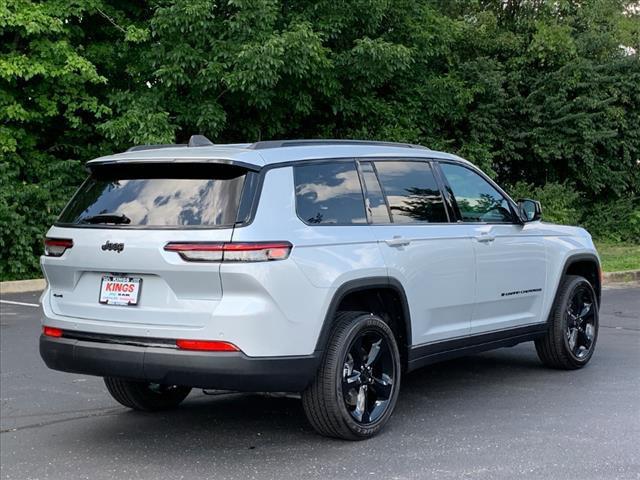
column 621, row 277
column 21, row 286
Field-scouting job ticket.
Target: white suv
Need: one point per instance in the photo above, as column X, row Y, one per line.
column 323, row 267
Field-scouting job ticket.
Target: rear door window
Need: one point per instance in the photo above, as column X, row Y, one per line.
column 329, row 194
column 412, row 192
column 160, row 195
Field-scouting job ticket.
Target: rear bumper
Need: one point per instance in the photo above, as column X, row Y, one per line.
column 216, row 370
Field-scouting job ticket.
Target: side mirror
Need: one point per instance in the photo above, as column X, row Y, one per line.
column 530, row 210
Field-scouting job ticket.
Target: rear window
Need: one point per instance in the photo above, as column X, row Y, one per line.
column 158, row 195
column 329, row 194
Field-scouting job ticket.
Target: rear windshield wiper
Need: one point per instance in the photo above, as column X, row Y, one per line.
column 121, row 219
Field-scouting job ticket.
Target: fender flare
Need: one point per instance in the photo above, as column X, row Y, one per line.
column 578, row 257
column 358, row 285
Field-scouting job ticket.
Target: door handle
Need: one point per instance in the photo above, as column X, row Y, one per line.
column 398, row 241
column 485, row 238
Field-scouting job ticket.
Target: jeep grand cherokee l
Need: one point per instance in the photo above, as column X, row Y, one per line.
column 329, row 268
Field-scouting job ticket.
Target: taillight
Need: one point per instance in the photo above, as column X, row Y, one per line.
column 230, row 252
column 197, row 252
column 207, row 345
column 51, row 331
column 55, row 247
column 256, row 252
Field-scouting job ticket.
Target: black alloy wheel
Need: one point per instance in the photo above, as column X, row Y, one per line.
column 581, row 321
column 356, row 388
column 367, row 377
column 572, row 332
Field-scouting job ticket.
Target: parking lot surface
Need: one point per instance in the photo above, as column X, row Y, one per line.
column 499, row 415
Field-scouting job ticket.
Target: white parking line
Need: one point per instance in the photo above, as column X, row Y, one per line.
column 20, row 303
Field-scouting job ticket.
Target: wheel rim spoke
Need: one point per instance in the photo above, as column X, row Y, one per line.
column 586, row 308
column 584, row 339
column 383, row 386
column 351, row 383
column 354, row 378
column 374, row 351
column 361, row 403
column 573, row 338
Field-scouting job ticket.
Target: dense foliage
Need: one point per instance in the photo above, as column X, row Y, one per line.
column 536, row 92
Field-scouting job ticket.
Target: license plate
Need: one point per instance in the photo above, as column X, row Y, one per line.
column 120, row 290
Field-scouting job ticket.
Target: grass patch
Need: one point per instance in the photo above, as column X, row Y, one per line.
column 617, row 257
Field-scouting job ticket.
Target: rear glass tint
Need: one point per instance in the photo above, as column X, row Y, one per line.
column 175, row 195
column 412, row 192
column 329, row 194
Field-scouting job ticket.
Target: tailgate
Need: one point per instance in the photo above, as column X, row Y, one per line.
column 173, row 293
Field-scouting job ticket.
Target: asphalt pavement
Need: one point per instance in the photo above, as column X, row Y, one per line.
column 499, row 415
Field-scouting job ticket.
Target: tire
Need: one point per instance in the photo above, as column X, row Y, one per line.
column 147, row 397
column 361, row 356
column 560, row 348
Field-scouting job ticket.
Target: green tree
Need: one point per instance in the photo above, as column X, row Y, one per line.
column 534, row 91
column 58, row 62
column 46, row 106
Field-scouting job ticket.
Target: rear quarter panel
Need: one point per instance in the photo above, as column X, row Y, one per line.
column 322, row 259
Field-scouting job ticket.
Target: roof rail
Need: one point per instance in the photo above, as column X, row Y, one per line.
column 302, row 143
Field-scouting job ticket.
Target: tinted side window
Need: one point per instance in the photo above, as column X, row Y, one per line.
column 477, row 200
column 376, row 206
column 329, row 194
column 412, row 192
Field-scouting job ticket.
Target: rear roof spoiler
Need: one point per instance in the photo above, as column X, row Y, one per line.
column 185, row 162
column 194, row 142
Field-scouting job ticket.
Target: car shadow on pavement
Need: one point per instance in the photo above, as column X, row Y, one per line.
column 235, row 422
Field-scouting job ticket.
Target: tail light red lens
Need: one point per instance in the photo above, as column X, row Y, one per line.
column 231, row 252
column 51, row 332
column 55, row 247
column 256, row 252
column 197, row 252
column 207, row 345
